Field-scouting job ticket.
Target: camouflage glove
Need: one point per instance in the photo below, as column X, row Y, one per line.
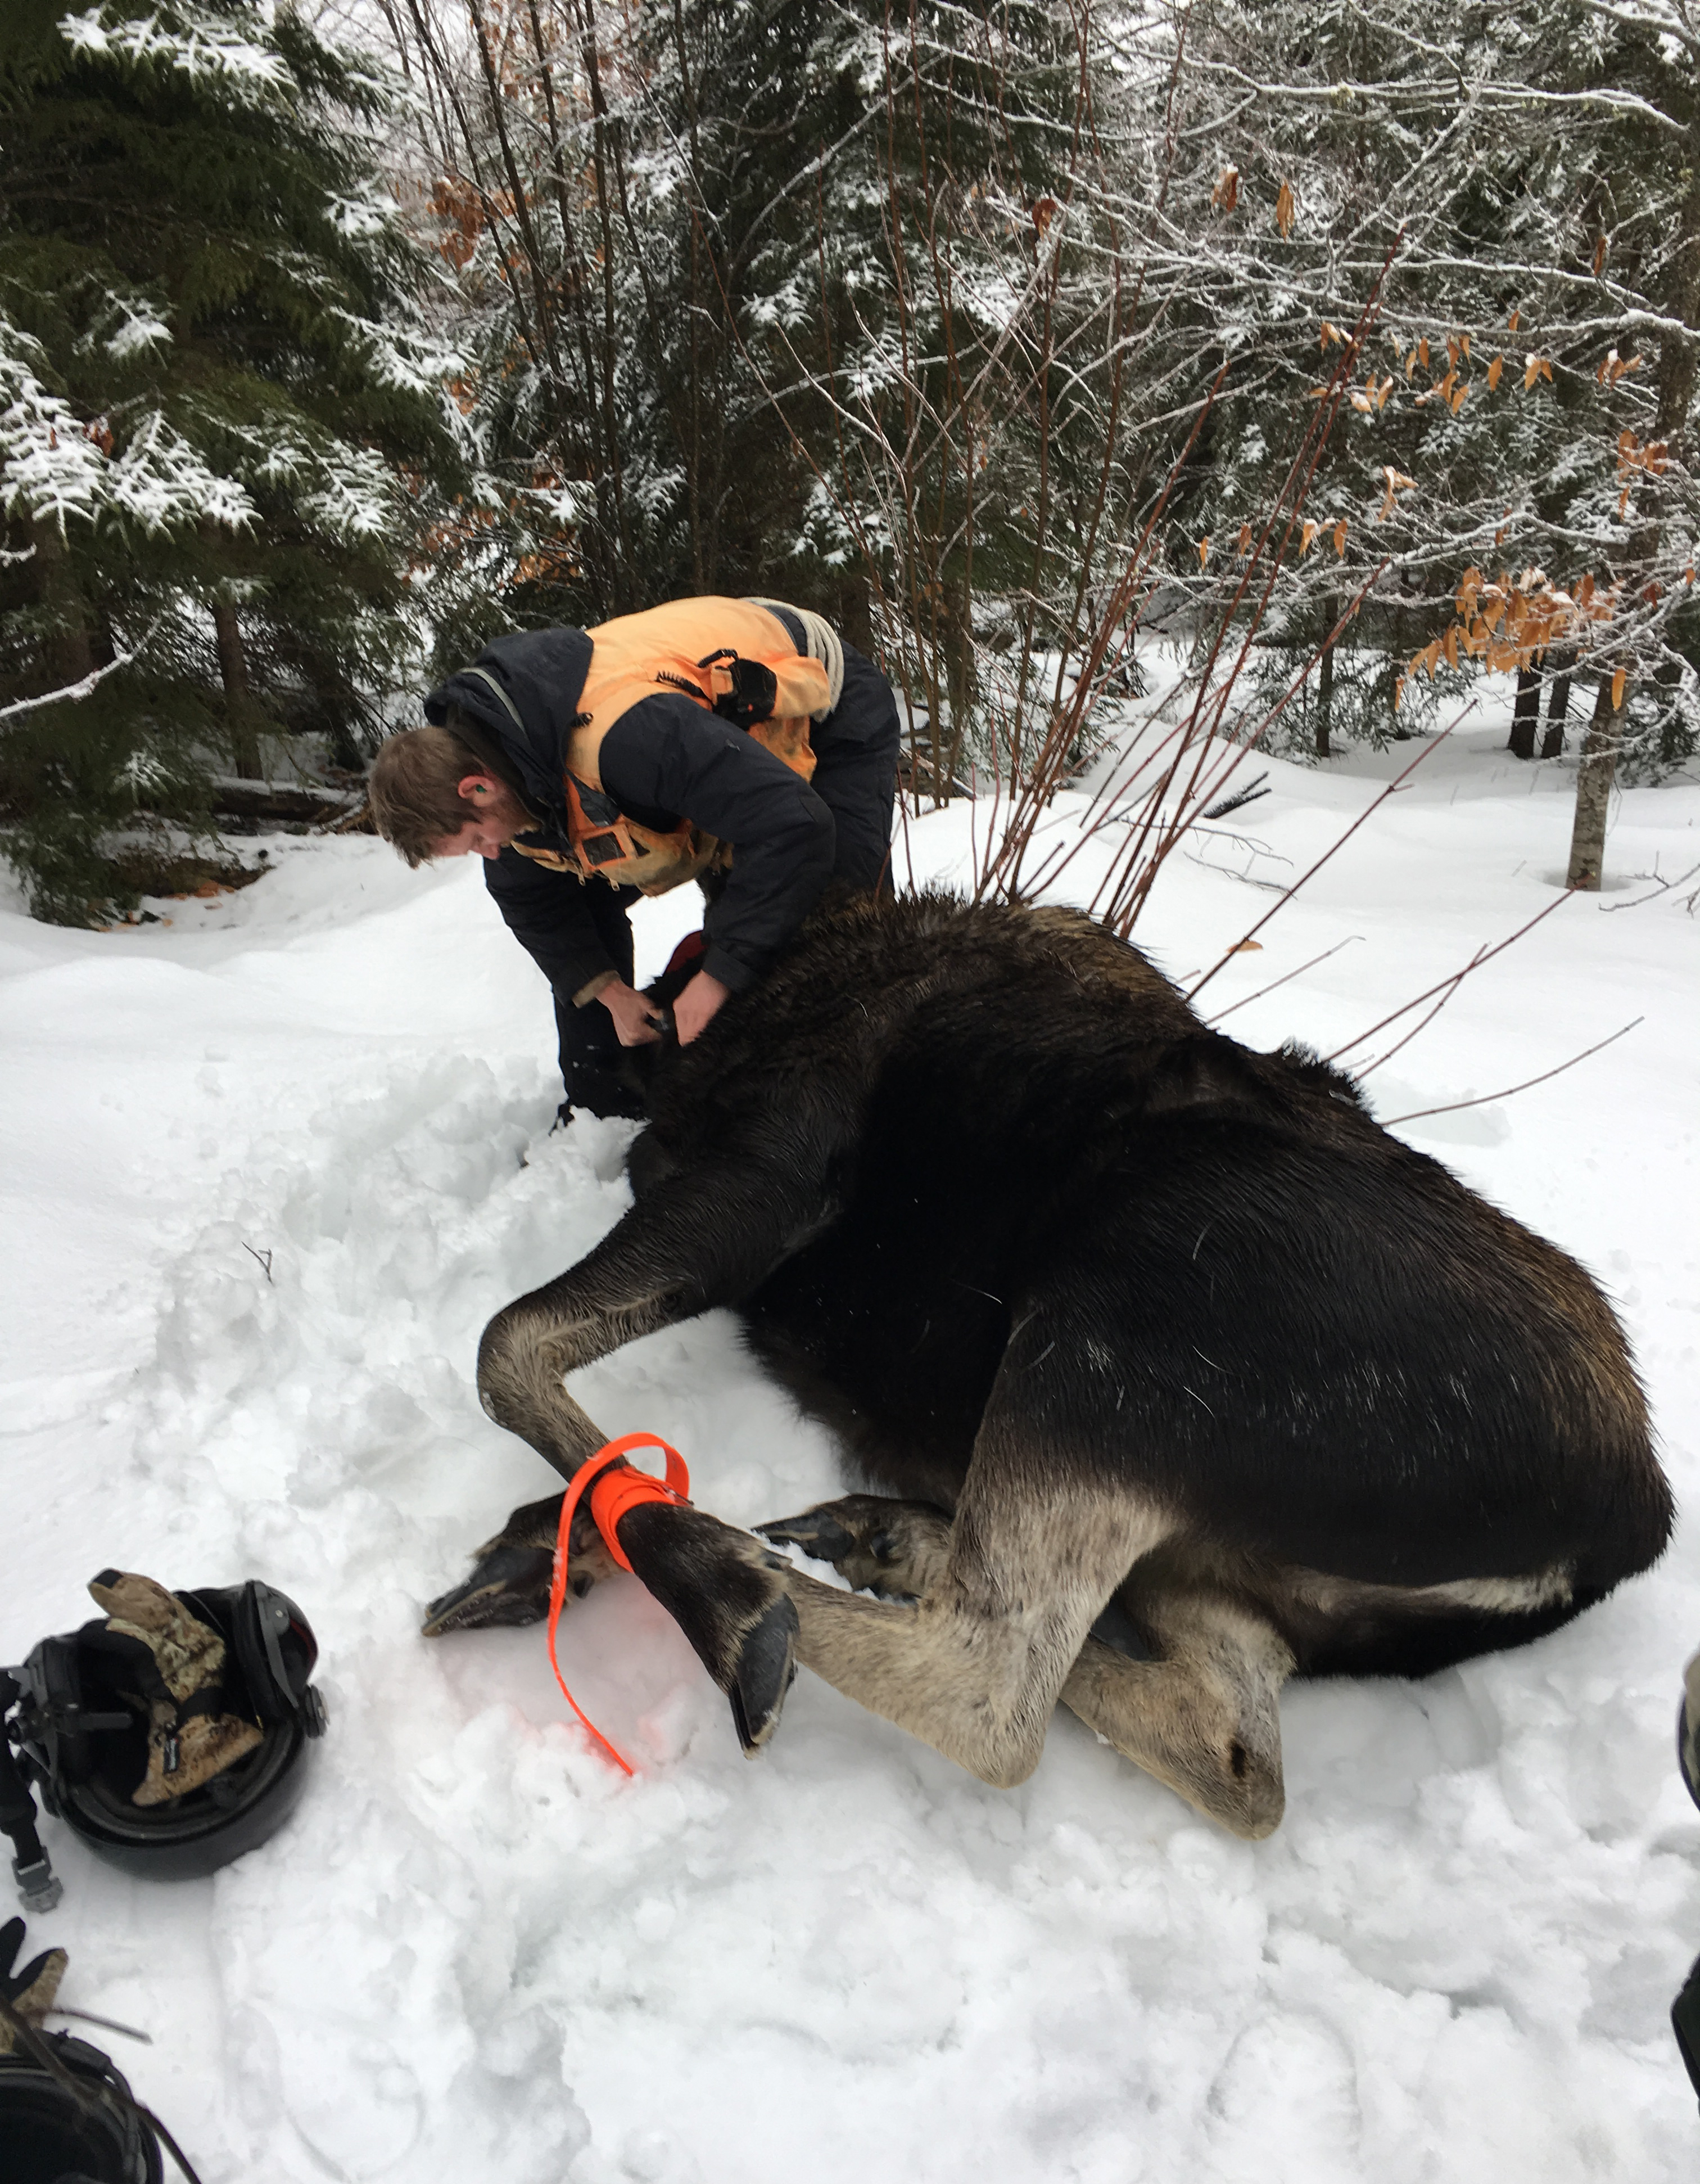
column 176, row 1664
column 31, row 1992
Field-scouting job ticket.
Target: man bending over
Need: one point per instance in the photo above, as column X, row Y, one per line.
column 739, row 742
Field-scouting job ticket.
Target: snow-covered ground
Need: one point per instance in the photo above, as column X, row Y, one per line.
column 269, row 1169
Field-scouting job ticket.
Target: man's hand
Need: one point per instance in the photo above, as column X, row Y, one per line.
column 634, row 1018
column 697, row 1006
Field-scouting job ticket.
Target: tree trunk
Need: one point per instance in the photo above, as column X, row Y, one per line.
column 1558, row 707
column 239, row 711
column 1600, row 750
column 1325, row 683
column 1525, row 714
column 70, row 654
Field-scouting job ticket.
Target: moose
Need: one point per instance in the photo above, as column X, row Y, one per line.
column 1167, row 1373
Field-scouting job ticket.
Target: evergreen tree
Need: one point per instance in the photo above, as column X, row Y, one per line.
column 222, row 427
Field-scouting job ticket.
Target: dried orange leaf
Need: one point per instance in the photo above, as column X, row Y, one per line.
column 1423, row 352
column 1514, row 321
column 1284, row 210
column 1226, row 193
column 1305, row 537
column 1245, row 546
column 1618, row 682
column 1458, row 400
column 1600, row 257
column 1340, row 538
column 1204, row 549
column 1493, row 372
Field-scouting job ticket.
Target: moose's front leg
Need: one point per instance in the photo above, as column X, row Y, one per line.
column 702, row 1237
column 508, row 1582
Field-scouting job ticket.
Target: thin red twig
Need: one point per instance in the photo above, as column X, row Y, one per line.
column 1391, row 789
column 1452, row 1106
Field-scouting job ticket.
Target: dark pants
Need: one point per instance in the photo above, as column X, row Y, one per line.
column 856, row 775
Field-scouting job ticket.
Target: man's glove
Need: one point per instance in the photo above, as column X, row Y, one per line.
column 32, row 1990
column 173, row 1665
column 751, row 698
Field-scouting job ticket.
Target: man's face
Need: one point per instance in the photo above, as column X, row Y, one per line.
column 494, row 817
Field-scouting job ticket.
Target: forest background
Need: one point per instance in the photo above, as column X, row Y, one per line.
column 1354, row 355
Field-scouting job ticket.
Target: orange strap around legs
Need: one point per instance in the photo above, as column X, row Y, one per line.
column 611, row 1496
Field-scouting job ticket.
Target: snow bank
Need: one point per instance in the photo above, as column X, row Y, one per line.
column 267, row 1171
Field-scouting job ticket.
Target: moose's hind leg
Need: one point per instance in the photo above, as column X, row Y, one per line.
column 1043, row 1534
column 1204, row 1717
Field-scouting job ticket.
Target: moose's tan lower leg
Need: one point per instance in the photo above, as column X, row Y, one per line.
column 1205, row 1718
column 975, row 1667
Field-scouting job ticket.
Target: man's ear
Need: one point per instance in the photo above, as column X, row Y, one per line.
column 475, row 787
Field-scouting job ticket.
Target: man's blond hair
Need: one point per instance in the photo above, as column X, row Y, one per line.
column 414, row 790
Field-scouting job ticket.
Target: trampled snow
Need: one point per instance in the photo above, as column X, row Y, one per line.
column 268, row 1172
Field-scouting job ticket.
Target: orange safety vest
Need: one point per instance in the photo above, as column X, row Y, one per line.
column 687, row 645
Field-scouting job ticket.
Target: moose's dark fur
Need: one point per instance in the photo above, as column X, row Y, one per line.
column 1187, row 1375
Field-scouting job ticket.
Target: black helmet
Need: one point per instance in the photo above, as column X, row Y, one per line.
column 50, row 2136
column 86, row 1749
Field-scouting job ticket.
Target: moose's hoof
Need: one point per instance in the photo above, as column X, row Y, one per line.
column 765, row 1670
column 506, row 1585
column 895, row 1549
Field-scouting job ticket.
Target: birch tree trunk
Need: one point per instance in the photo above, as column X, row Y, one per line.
column 1600, row 750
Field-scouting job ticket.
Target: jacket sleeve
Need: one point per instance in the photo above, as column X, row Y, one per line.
column 666, row 754
column 549, row 915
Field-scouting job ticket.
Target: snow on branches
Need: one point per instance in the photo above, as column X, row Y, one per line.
column 55, row 468
column 188, row 41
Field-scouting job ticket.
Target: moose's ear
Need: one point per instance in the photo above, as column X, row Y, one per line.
column 1204, row 1072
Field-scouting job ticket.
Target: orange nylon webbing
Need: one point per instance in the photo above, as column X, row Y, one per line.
column 611, row 1496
